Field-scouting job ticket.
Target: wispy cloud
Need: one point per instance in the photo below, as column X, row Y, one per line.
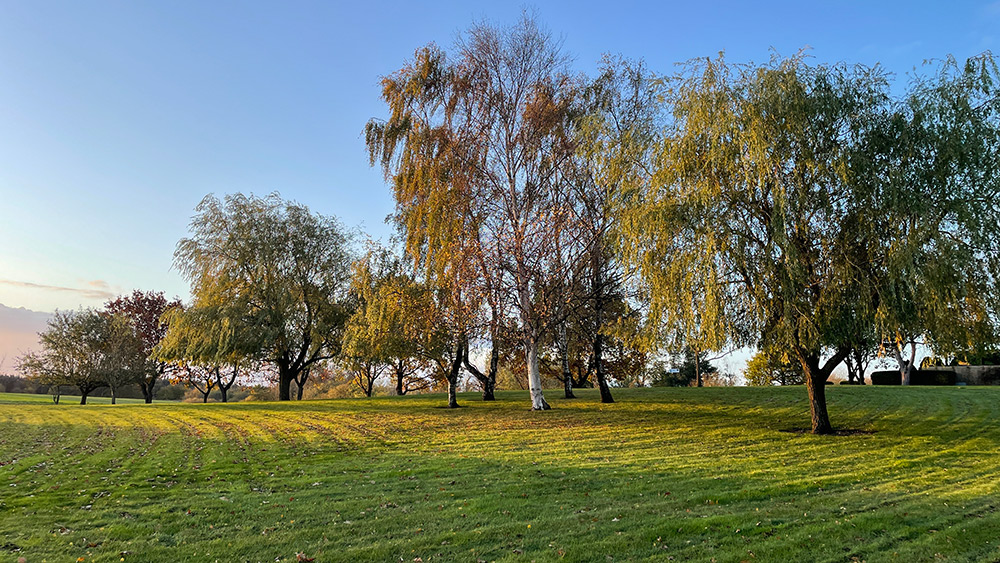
column 96, row 289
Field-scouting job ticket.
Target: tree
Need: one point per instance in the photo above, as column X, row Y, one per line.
column 275, row 274
column 769, row 367
column 145, row 310
column 475, row 150
column 70, row 352
column 783, row 208
column 936, row 171
column 120, row 357
column 617, row 130
column 758, row 214
column 692, row 367
column 396, row 327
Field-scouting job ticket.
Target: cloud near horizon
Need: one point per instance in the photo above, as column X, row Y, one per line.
column 96, row 289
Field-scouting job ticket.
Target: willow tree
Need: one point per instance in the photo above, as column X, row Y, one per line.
column 276, row 272
column 749, row 233
column 475, row 150
column 616, row 130
column 936, row 178
column 207, row 346
column 793, row 216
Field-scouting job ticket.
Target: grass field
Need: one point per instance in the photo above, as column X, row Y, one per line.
column 716, row 474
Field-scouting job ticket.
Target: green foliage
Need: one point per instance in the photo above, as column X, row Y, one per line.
column 87, row 349
column 801, row 205
column 270, row 281
column 768, row 367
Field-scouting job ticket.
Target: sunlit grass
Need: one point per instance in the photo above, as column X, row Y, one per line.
column 692, row 474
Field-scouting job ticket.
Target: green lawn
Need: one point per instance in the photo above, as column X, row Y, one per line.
column 671, row 474
column 23, row 398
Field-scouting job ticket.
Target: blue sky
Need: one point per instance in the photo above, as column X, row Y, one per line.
column 116, row 118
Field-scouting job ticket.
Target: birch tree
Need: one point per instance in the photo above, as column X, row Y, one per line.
column 475, row 150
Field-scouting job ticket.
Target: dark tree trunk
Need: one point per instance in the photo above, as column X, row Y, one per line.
column 301, row 383
column 816, row 385
column 400, row 374
column 567, row 375
column 55, row 398
column 285, row 377
column 697, row 369
column 597, row 289
column 114, row 396
column 83, row 396
column 488, row 381
column 147, row 390
column 225, row 394
column 456, row 366
column 204, row 397
column 816, row 377
column 602, row 381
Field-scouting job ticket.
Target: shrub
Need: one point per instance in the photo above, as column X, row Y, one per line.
column 917, row 377
column 927, row 377
column 886, row 378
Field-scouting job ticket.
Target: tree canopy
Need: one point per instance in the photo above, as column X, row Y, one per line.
column 273, row 277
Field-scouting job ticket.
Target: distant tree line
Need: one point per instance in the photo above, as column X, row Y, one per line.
column 583, row 229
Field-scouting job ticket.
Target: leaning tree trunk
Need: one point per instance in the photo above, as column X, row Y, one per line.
column 301, row 383
column 83, row 396
column 602, row 380
column 55, row 398
column 488, row 380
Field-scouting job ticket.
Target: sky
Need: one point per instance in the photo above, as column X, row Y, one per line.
column 117, row 118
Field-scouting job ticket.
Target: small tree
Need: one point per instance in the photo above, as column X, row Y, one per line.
column 770, row 367
column 70, row 352
column 145, row 311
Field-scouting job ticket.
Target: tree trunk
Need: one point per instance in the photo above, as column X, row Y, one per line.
column 816, row 377
column 564, row 357
column 602, row 381
column 488, row 381
column 534, row 376
column 55, row 398
column 284, row 381
column 816, row 385
column 224, row 392
column 83, row 397
column 113, row 396
column 905, row 368
column 491, row 378
column 400, row 374
column 147, row 386
column 697, row 369
column 456, row 366
column 301, row 383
